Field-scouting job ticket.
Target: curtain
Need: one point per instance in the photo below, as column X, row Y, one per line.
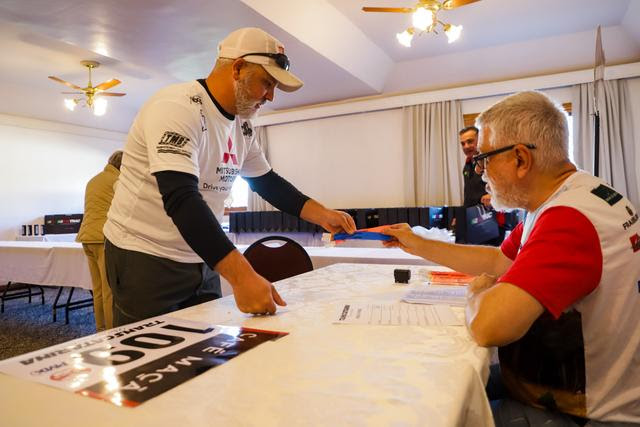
column 617, row 151
column 254, row 201
column 435, row 160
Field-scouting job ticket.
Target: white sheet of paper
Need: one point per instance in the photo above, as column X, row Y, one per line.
column 452, row 295
column 396, row 314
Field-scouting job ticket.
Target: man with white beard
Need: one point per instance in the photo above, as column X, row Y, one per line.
column 185, row 148
column 561, row 296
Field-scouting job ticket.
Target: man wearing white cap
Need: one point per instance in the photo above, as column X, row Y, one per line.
column 183, row 151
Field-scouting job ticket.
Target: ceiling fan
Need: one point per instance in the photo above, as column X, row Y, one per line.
column 92, row 94
column 425, row 18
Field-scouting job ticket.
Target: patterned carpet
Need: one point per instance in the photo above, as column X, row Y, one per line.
column 27, row 327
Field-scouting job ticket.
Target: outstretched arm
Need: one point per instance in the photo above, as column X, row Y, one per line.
column 468, row 259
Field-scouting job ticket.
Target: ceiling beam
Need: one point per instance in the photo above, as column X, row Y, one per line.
column 321, row 27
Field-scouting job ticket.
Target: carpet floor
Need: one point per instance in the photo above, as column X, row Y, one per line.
column 27, row 327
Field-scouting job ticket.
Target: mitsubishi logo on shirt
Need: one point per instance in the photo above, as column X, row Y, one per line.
column 229, row 155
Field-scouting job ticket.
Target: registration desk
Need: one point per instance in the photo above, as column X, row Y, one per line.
column 64, row 263
column 320, row 374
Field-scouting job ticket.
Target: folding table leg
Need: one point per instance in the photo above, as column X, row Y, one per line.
column 66, row 307
column 55, row 303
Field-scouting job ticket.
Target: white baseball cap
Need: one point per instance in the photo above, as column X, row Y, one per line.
column 258, row 47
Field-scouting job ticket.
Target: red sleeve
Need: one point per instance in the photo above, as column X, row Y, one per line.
column 511, row 244
column 560, row 262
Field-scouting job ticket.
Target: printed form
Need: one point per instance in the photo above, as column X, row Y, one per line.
column 397, row 314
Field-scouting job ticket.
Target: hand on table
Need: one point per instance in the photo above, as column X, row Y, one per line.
column 256, row 295
column 252, row 292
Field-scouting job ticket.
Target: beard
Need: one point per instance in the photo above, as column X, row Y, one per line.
column 505, row 195
column 246, row 105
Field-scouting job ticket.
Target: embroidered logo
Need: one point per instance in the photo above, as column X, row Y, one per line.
column 203, row 121
column 629, row 211
column 196, row 99
column 174, row 139
column 607, row 194
column 172, row 143
column 628, row 224
column 246, row 129
column 635, row 242
column 229, row 156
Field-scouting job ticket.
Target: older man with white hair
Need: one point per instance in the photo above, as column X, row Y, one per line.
column 561, row 296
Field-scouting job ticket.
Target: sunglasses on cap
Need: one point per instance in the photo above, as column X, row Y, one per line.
column 281, row 59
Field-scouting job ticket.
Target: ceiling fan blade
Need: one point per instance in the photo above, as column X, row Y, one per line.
column 452, row 4
column 106, row 85
column 110, row 94
column 388, row 9
column 64, row 82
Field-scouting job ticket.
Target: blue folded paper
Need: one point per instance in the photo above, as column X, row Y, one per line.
column 361, row 235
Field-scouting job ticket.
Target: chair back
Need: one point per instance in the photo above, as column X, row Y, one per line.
column 278, row 262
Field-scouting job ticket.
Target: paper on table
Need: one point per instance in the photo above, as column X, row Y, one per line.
column 396, row 314
column 452, row 295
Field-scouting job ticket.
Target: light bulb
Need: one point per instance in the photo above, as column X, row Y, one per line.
column 70, row 104
column 453, row 32
column 422, row 18
column 404, row 38
column 99, row 106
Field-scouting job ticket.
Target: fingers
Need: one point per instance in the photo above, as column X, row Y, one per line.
column 348, row 224
column 396, row 229
column 276, row 297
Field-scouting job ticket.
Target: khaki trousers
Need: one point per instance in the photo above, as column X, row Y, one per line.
column 102, row 300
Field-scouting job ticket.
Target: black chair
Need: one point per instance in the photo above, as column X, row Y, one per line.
column 278, row 262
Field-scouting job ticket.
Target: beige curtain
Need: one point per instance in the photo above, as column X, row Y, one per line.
column 255, row 202
column 435, row 160
column 617, row 151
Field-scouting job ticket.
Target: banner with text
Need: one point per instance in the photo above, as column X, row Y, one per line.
column 134, row 363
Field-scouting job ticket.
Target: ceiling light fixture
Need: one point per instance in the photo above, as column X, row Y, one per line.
column 93, row 95
column 424, row 19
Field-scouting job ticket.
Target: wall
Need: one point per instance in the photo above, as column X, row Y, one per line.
column 44, row 167
column 354, row 160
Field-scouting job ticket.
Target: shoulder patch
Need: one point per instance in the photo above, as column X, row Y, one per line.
column 173, row 143
column 607, row 194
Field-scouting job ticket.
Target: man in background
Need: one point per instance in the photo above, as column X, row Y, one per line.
column 97, row 199
column 475, row 191
column 185, row 148
column 561, row 296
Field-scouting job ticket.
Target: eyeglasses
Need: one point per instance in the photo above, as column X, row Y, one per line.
column 281, row 59
column 480, row 161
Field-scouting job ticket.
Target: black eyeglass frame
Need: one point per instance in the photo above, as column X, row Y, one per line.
column 281, row 59
column 475, row 160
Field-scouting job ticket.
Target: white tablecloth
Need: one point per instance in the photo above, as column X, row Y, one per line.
column 320, row 374
column 325, row 256
column 67, row 237
column 44, row 263
column 64, row 263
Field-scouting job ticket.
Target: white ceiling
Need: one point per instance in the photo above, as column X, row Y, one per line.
column 338, row 50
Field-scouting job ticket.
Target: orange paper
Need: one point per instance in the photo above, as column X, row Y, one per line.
column 449, row 278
